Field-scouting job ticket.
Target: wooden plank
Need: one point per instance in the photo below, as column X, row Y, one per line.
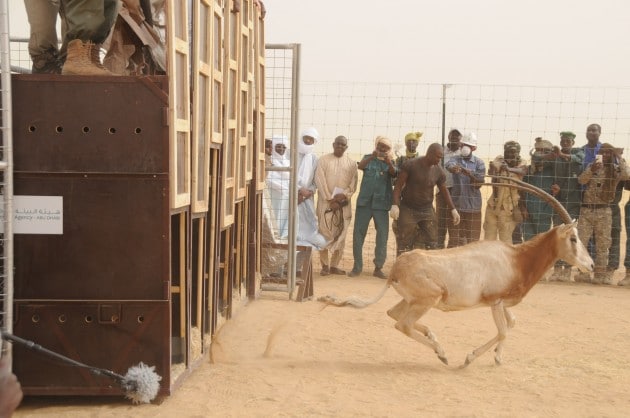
column 183, row 306
column 259, row 100
column 179, row 102
column 202, row 103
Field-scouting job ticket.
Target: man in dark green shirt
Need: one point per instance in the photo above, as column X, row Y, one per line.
column 374, row 202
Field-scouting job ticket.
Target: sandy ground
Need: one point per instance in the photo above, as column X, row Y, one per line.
column 567, row 356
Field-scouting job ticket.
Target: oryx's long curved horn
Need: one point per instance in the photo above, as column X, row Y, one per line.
column 517, row 187
column 557, row 206
column 509, row 185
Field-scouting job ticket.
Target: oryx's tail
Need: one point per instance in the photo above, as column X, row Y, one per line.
column 353, row 301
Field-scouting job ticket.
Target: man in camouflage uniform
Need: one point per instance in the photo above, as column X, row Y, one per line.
column 626, row 262
column 600, row 178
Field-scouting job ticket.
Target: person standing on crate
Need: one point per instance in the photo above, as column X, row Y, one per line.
column 336, row 180
column 43, row 44
column 87, row 26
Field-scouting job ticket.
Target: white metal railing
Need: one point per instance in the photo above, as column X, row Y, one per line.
column 6, row 175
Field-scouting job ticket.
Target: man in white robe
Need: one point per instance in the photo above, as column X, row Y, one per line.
column 278, row 184
column 336, row 179
column 307, row 231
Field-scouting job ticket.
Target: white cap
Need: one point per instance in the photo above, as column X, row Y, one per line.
column 469, row 139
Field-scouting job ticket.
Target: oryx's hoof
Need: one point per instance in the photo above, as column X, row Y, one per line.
column 497, row 361
column 469, row 359
column 443, row 359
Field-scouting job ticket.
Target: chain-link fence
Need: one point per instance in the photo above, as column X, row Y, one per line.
column 493, row 114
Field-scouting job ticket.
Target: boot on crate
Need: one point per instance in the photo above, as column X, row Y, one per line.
column 83, row 59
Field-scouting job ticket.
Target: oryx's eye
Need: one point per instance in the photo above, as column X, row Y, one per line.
column 574, row 240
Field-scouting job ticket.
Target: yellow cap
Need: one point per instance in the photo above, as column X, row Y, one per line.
column 413, row 136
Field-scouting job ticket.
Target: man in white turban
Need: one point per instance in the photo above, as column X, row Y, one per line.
column 308, row 231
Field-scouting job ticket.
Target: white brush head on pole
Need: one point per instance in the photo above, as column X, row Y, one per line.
column 141, row 383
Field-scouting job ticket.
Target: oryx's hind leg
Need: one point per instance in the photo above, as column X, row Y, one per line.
column 400, row 309
column 498, row 314
column 407, row 325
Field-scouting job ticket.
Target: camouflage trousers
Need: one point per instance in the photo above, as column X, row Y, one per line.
column 498, row 224
column 596, row 222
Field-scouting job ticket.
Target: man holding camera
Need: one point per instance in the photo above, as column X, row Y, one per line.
column 600, row 180
column 374, row 202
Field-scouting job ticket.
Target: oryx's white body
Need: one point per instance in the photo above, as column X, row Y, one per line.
column 484, row 273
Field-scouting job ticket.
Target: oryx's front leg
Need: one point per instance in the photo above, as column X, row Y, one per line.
column 509, row 317
column 499, row 316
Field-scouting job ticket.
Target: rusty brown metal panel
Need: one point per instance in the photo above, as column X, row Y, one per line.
column 90, row 124
column 109, row 335
column 100, row 292
column 115, row 242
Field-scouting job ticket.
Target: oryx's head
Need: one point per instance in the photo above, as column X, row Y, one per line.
column 571, row 249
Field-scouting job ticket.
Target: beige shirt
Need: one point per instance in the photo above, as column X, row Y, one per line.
column 331, row 173
column 503, row 198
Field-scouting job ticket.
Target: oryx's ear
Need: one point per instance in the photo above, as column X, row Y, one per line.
column 568, row 228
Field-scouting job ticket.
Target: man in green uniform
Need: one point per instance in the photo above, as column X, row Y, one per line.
column 374, row 202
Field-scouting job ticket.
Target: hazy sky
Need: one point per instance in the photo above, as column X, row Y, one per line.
column 540, row 42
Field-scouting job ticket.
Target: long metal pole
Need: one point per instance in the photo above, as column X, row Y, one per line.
column 6, row 165
column 295, row 103
column 443, row 115
column 444, row 87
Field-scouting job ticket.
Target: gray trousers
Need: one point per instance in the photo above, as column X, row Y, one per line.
column 89, row 20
